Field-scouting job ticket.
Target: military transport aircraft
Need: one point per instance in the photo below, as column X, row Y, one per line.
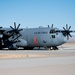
column 28, row 38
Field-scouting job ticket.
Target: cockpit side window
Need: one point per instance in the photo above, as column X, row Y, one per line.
column 52, row 31
column 53, row 36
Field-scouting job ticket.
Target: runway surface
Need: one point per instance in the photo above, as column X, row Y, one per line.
column 38, row 62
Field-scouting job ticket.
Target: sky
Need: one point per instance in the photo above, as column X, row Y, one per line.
column 35, row 13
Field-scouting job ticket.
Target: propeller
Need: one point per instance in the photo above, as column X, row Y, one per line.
column 16, row 31
column 9, row 43
column 67, row 31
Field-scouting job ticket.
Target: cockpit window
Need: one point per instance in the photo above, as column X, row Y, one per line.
column 52, row 31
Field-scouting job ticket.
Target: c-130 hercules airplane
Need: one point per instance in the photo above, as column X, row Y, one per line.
column 28, row 38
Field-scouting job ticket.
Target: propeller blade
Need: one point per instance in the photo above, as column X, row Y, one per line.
column 20, row 29
column 16, row 38
column 11, row 27
column 70, row 35
column 20, row 34
column 13, row 35
column 52, row 26
column 69, row 27
column 18, row 26
column 66, row 26
column 15, row 25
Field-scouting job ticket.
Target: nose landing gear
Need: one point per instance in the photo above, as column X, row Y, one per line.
column 54, row 48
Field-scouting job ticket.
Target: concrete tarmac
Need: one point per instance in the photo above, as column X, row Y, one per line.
column 38, row 62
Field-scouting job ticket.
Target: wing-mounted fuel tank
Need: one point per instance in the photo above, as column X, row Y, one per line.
column 16, row 44
column 21, row 43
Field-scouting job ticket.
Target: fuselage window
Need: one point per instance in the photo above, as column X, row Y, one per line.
column 53, row 36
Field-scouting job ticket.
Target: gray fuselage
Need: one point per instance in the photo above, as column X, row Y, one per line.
column 42, row 37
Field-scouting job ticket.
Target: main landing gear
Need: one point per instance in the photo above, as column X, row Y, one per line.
column 28, row 48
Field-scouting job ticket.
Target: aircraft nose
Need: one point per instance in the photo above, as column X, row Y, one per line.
column 65, row 39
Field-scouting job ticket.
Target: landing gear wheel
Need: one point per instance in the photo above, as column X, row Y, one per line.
column 54, row 48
